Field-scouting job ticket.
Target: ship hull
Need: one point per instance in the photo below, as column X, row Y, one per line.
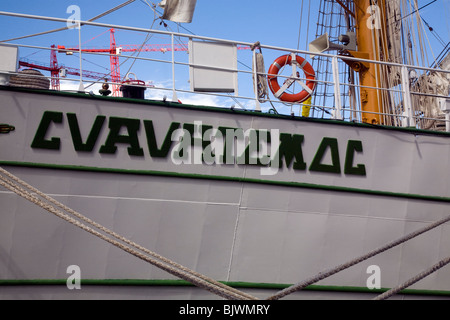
column 331, row 191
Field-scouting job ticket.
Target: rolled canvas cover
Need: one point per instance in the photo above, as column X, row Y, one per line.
column 179, row 10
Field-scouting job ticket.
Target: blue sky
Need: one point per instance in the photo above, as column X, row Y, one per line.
column 268, row 21
column 271, row 22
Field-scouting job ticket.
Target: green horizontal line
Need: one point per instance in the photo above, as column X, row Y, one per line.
column 232, row 179
column 182, row 283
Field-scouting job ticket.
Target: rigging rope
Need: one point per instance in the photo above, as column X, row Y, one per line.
column 331, row 20
column 66, row 28
column 14, row 184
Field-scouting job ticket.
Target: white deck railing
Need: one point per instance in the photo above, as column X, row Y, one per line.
column 343, row 104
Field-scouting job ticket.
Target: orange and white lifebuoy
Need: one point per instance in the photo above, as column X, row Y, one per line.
column 280, row 92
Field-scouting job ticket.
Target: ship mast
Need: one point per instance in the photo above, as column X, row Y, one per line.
column 369, row 25
column 370, row 20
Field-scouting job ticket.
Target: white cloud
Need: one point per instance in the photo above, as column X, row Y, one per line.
column 163, row 91
column 73, row 86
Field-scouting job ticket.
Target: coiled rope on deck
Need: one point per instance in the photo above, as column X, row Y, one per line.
column 16, row 185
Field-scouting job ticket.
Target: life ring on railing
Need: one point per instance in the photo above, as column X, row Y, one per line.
column 280, row 92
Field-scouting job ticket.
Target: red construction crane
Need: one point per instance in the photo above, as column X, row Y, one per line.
column 115, row 51
column 55, row 69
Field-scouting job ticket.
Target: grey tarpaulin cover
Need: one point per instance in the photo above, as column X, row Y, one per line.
column 178, row 10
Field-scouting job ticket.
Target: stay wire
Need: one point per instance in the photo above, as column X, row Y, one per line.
column 67, row 28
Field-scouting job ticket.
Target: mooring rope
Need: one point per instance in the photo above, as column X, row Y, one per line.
column 13, row 183
column 220, row 289
column 327, row 273
column 413, row 280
